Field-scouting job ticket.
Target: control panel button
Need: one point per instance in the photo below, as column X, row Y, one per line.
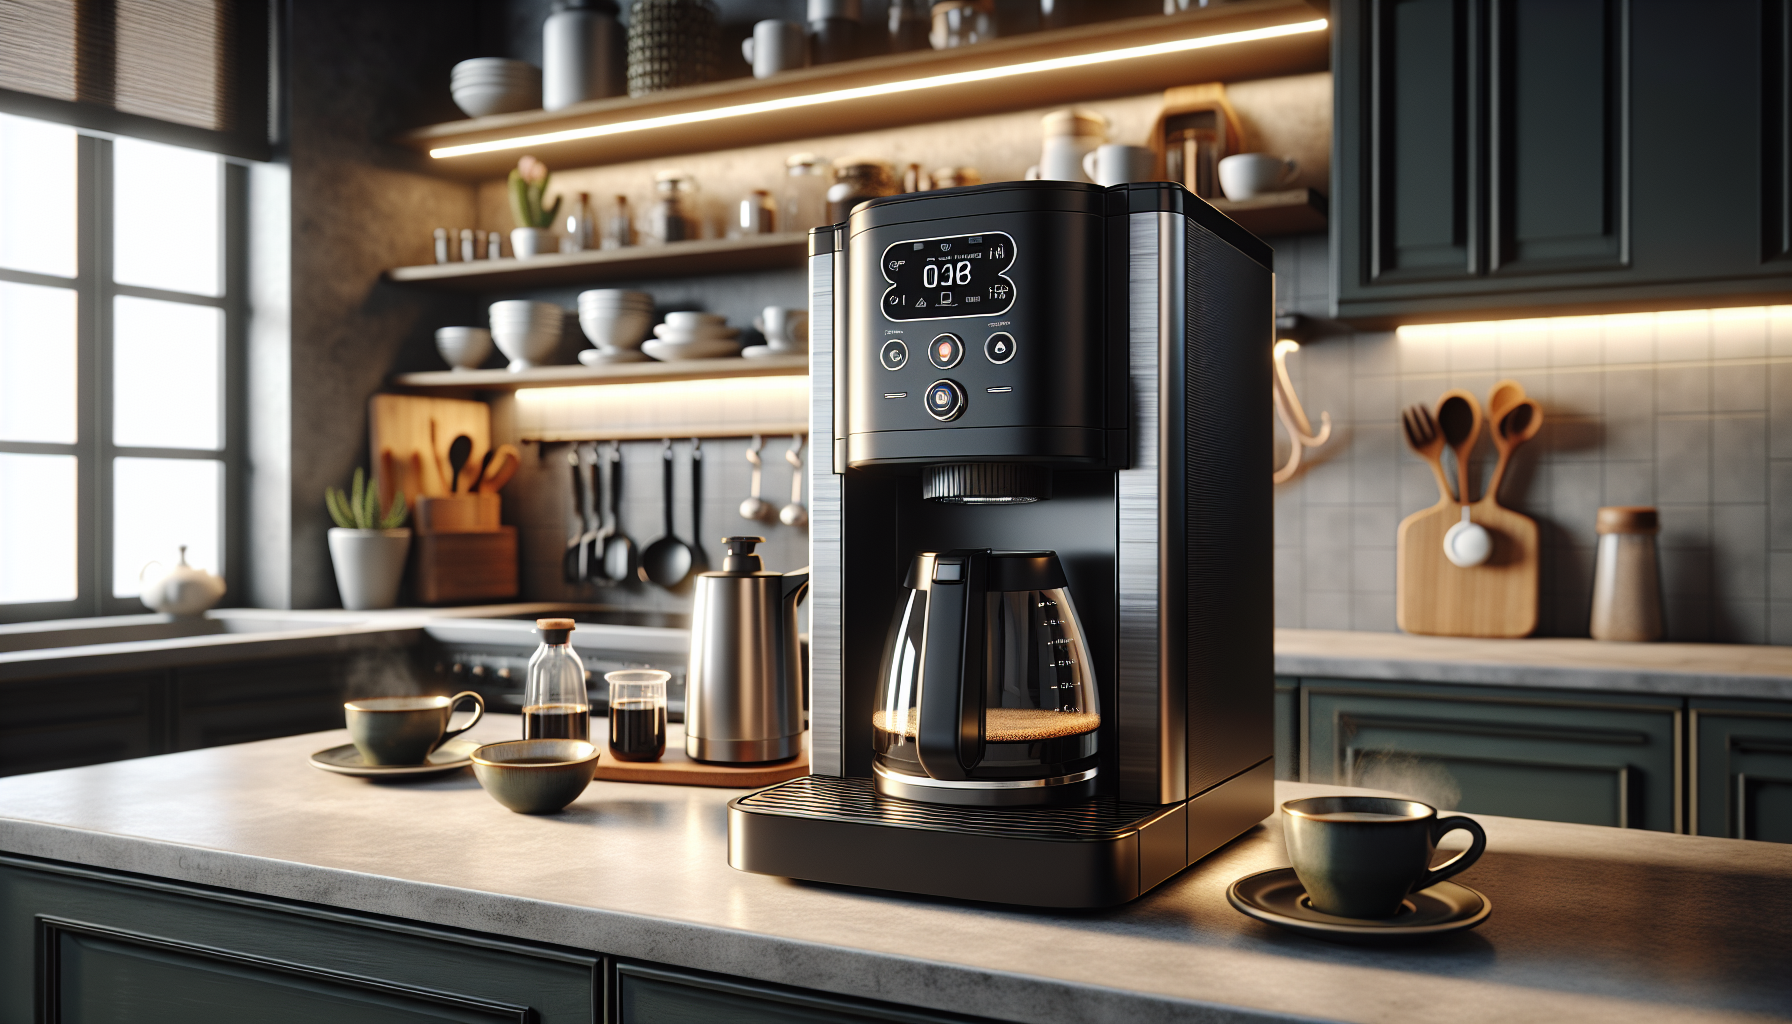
column 999, row 348
column 945, row 351
column 945, row 400
column 894, row 354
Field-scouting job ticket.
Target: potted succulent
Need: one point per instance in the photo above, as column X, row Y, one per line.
column 528, row 191
column 367, row 547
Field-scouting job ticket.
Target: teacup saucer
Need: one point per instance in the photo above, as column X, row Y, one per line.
column 346, row 760
column 601, row 357
column 767, row 351
column 1277, row 897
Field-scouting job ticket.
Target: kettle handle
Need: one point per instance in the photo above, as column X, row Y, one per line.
column 950, row 738
column 796, row 584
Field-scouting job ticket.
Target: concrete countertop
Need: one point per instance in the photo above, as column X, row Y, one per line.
column 1748, row 671
column 1588, row 923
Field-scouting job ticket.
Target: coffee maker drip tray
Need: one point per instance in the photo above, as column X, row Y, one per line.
column 1094, row 853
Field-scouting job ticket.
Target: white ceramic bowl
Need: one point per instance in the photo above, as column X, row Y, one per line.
column 615, row 295
column 693, row 318
column 669, row 352
column 463, row 348
column 603, row 357
column 526, row 332
column 615, row 331
column 708, row 332
column 484, row 88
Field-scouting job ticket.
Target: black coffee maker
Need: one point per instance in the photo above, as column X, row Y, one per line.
column 1041, row 610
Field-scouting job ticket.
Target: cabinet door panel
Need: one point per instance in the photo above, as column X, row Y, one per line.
column 1557, row 152
column 1423, row 209
column 1527, row 754
column 1742, row 781
column 1287, row 729
column 65, row 723
column 95, row 946
column 658, row 995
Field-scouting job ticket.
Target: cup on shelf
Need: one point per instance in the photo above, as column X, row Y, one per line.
column 495, row 85
column 463, row 348
column 526, row 332
column 786, row 332
column 775, row 46
column 1245, row 175
column 1116, row 164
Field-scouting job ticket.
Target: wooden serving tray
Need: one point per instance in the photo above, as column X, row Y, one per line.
column 675, row 768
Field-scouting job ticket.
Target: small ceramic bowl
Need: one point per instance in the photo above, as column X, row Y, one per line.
column 535, row 776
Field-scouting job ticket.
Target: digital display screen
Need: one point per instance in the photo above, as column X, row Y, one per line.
column 946, row 277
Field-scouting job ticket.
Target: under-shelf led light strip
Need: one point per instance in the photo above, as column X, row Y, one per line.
column 884, row 89
column 711, row 407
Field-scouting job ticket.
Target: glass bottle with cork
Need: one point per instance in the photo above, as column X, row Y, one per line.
column 555, row 705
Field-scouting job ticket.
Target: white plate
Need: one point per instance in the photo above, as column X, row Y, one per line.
column 670, row 353
column 685, row 335
column 766, row 352
column 599, row 357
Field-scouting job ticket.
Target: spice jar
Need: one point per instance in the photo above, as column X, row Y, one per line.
column 758, row 215
column 670, row 220
column 1626, row 577
column 805, row 199
column 856, row 180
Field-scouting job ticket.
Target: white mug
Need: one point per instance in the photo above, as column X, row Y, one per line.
column 1115, row 164
column 1248, row 174
column 775, row 46
column 784, row 328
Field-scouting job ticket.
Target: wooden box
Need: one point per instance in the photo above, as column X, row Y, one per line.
column 459, row 513
column 449, row 568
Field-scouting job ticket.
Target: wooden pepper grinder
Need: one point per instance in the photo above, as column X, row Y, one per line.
column 1626, row 580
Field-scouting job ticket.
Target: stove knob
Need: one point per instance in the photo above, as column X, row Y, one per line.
column 503, row 673
column 479, row 671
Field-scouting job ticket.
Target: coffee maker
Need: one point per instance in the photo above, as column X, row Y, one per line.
column 1040, row 609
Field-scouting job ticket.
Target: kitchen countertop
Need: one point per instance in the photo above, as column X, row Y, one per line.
column 1588, row 923
column 1749, row 671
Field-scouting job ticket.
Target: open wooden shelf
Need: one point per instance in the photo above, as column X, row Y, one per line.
column 674, row 259
column 469, row 382
column 879, row 105
column 1299, row 211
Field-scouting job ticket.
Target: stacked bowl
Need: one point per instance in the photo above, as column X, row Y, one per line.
column 526, row 332
column 495, row 85
column 616, row 321
column 692, row 335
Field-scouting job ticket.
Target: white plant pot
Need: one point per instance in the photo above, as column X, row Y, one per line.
column 527, row 242
column 369, row 565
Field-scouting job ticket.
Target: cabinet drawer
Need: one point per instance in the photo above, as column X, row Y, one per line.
column 89, row 946
column 1590, row 758
column 64, row 723
column 256, row 701
column 1742, row 769
column 646, row 994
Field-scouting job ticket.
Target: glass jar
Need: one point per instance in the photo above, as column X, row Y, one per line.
column 962, row 22
column 758, row 214
column 581, row 226
column 1626, row 575
column 637, row 713
column 856, row 180
column 555, row 705
column 805, row 200
column 670, row 219
column 618, row 224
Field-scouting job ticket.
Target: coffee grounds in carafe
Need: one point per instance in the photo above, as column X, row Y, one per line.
column 1005, row 725
column 637, row 730
column 557, row 722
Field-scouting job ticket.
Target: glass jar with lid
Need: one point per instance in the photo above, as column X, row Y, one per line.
column 670, row 219
column 804, row 204
column 555, row 704
column 857, row 179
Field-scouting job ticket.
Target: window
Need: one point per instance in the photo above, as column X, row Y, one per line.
column 118, row 319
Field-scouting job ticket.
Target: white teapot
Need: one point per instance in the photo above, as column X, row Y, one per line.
column 182, row 590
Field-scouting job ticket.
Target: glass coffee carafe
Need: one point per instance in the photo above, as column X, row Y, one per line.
column 987, row 695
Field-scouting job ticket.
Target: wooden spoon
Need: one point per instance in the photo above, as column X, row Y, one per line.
column 1505, row 395
column 1520, row 424
column 1459, row 415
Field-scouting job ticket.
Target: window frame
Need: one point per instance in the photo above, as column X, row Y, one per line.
column 94, row 449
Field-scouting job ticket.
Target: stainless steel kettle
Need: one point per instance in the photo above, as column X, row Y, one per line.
column 744, row 689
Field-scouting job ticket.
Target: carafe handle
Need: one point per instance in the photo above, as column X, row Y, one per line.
column 950, row 737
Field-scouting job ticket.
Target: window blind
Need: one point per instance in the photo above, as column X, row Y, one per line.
column 187, row 72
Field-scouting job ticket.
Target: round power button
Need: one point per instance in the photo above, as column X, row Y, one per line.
column 945, row 400
column 893, row 354
column 945, row 351
column 999, row 348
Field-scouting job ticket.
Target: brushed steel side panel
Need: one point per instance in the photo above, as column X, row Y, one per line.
column 1137, row 567
column 826, row 701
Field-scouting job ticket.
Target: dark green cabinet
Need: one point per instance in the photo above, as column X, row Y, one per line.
column 651, row 994
column 1287, row 729
column 87, row 947
column 1495, row 157
column 1742, row 769
column 1596, row 759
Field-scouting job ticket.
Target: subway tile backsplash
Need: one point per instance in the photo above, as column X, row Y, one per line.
column 1690, row 411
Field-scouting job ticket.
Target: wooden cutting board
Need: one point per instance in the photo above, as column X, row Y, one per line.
column 1497, row 598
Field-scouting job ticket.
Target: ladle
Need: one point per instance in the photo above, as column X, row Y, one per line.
column 619, row 550
column 666, row 561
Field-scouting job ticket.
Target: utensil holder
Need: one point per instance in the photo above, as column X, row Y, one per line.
column 458, row 567
column 459, row 513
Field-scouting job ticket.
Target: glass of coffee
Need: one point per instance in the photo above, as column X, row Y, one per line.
column 637, row 713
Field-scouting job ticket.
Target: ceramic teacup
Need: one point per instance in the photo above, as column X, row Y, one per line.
column 1360, row 856
column 403, row 730
column 1244, row 175
column 1115, row 164
column 783, row 327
